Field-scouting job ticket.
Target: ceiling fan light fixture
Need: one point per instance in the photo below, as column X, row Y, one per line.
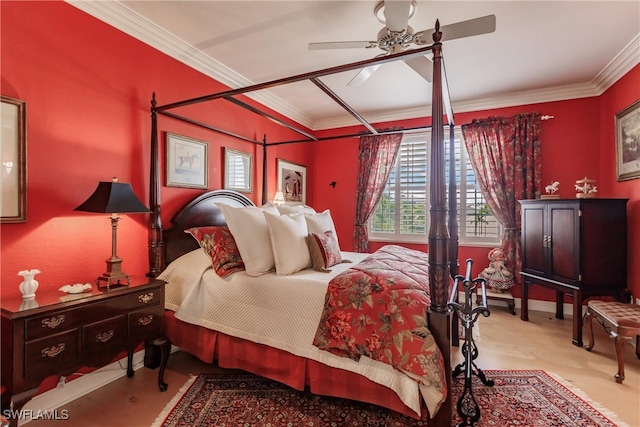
column 378, row 11
column 388, row 38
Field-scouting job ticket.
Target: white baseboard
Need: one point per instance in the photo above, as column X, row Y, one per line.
column 538, row 305
column 68, row 391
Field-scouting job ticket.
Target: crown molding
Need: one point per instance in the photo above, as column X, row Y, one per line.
column 126, row 20
column 559, row 93
column 624, row 61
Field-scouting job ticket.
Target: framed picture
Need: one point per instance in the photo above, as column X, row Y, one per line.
column 292, row 181
column 628, row 142
column 13, row 152
column 238, row 170
column 187, row 162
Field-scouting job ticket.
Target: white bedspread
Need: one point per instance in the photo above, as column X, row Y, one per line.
column 278, row 311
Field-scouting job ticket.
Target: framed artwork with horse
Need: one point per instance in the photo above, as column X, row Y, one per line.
column 186, row 162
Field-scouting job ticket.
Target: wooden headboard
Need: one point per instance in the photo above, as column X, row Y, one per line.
column 199, row 212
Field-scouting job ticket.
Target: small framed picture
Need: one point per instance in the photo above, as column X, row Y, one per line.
column 187, row 161
column 292, row 181
column 628, row 142
column 238, row 170
column 13, row 152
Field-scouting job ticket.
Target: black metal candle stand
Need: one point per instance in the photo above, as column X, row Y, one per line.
column 467, row 407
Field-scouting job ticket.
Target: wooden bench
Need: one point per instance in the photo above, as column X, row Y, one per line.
column 622, row 323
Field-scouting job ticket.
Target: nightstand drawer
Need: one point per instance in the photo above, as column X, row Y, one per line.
column 47, row 356
column 145, row 323
column 105, row 338
column 51, row 324
column 143, row 298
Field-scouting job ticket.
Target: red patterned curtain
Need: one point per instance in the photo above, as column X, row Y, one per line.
column 377, row 156
column 505, row 156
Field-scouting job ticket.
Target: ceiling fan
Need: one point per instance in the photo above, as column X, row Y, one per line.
column 398, row 36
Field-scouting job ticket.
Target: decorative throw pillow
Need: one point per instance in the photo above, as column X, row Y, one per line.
column 250, row 230
column 321, row 222
column 324, row 250
column 289, row 242
column 219, row 244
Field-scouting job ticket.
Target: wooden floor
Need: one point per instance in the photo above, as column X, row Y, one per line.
column 506, row 342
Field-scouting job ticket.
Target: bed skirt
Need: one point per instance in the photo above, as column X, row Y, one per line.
column 279, row 365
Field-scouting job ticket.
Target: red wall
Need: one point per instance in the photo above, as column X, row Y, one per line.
column 575, row 143
column 619, row 96
column 88, row 87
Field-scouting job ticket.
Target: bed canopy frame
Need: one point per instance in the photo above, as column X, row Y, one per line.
column 443, row 232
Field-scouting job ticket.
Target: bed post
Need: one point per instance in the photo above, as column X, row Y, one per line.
column 438, row 314
column 155, row 222
column 265, row 175
column 454, row 266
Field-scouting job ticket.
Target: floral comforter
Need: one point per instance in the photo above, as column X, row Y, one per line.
column 378, row 309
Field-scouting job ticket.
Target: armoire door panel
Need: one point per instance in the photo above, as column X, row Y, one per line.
column 532, row 239
column 563, row 245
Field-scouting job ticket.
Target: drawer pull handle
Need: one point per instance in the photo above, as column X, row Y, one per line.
column 53, row 322
column 105, row 336
column 145, row 298
column 53, row 351
column 144, row 321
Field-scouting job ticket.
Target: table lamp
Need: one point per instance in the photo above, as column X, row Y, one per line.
column 278, row 199
column 113, row 197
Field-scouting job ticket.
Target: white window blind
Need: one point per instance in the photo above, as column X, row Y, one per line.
column 402, row 214
column 238, row 171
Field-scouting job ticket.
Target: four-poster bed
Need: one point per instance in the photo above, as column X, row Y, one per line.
column 168, row 245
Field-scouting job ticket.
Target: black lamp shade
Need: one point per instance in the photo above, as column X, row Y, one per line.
column 113, row 197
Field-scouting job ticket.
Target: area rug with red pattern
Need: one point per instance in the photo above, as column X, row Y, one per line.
column 518, row 398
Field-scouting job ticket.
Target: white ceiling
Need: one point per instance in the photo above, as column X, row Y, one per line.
column 540, row 51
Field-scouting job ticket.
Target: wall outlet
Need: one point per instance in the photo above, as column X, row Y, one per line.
column 637, row 300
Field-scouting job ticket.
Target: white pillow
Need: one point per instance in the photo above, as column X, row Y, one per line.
column 270, row 207
column 321, row 222
column 251, row 233
column 288, row 210
column 289, row 242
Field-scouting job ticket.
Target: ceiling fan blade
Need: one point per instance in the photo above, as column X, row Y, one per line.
column 363, row 75
column 421, row 65
column 341, row 45
column 396, row 14
column 469, row 28
column 472, row 27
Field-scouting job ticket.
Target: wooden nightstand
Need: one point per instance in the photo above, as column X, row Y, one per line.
column 56, row 333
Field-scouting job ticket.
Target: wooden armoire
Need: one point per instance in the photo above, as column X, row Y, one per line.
column 577, row 247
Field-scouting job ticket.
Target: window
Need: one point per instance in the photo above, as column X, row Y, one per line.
column 238, row 167
column 402, row 214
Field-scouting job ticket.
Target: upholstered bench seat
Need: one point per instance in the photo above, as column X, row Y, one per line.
column 622, row 323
